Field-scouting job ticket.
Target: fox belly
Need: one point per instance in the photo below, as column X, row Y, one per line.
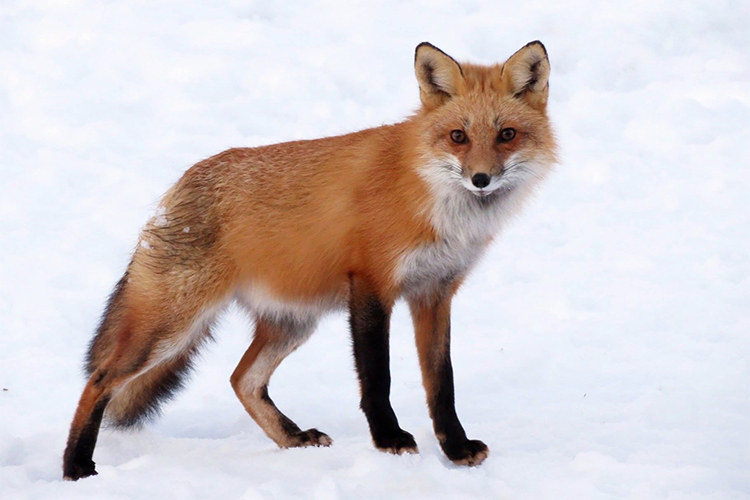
column 258, row 298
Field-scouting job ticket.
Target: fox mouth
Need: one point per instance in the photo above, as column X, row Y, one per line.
column 482, row 193
column 493, row 188
column 486, row 197
column 495, row 191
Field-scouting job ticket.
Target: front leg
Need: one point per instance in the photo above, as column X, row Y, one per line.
column 369, row 320
column 432, row 327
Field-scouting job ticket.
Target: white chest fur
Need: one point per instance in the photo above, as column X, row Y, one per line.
column 465, row 225
column 464, row 229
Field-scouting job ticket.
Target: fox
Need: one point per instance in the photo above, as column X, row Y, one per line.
column 293, row 231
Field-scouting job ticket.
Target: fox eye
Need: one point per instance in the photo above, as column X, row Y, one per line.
column 459, row 137
column 506, row 135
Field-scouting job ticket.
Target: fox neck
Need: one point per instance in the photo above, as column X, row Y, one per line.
column 458, row 216
column 463, row 224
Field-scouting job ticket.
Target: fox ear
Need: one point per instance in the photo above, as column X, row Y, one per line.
column 525, row 75
column 439, row 75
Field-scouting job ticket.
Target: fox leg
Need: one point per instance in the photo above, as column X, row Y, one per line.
column 274, row 340
column 121, row 364
column 137, row 359
column 431, row 318
column 77, row 461
column 369, row 321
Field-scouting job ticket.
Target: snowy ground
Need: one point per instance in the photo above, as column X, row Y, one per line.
column 601, row 349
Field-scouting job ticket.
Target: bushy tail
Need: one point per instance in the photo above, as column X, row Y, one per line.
column 138, row 398
column 103, row 343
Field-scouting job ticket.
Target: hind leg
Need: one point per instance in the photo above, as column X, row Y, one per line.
column 274, row 340
column 144, row 366
column 84, row 430
column 77, row 461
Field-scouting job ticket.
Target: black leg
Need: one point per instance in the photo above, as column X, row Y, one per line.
column 448, row 428
column 432, row 328
column 369, row 320
column 77, row 460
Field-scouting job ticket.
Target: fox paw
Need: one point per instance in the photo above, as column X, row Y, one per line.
column 398, row 443
column 75, row 471
column 310, row 437
column 470, row 452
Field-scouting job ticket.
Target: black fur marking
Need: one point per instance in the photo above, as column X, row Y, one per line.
column 164, row 390
column 442, row 405
column 369, row 321
column 534, row 72
column 430, row 72
column 77, row 460
column 160, row 391
column 100, row 377
column 428, row 44
column 145, row 352
column 533, row 69
column 448, row 428
column 467, row 450
column 531, row 81
column 312, row 436
column 287, row 425
column 537, row 42
column 298, row 436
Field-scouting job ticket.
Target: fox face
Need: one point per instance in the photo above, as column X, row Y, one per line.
column 485, row 129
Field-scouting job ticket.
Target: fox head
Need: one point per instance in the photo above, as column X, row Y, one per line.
column 484, row 129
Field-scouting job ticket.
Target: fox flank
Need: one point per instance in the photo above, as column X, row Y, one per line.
column 295, row 230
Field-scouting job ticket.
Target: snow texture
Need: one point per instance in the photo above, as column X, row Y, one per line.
column 600, row 349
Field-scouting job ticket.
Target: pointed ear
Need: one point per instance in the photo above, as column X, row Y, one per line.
column 439, row 75
column 525, row 75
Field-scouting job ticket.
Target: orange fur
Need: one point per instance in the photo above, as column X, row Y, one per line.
column 300, row 217
column 286, row 229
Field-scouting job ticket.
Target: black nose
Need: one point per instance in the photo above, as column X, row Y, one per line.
column 481, row 180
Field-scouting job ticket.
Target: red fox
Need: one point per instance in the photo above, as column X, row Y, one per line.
column 292, row 231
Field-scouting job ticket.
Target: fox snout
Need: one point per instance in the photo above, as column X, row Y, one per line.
column 481, row 173
column 480, row 180
column 483, row 181
column 481, row 177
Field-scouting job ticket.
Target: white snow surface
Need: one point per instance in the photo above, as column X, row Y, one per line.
column 600, row 349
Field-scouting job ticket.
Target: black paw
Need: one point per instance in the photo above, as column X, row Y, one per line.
column 468, row 452
column 310, row 437
column 396, row 443
column 75, row 471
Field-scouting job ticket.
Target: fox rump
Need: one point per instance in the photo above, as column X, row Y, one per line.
column 292, row 231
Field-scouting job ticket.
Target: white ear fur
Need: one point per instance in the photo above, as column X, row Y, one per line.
column 440, row 77
column 525, row 74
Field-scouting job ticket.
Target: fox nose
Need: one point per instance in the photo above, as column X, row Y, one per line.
column 480, row 180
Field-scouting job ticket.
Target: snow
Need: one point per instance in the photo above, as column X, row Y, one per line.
column 160, row 220
column 600, row 349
